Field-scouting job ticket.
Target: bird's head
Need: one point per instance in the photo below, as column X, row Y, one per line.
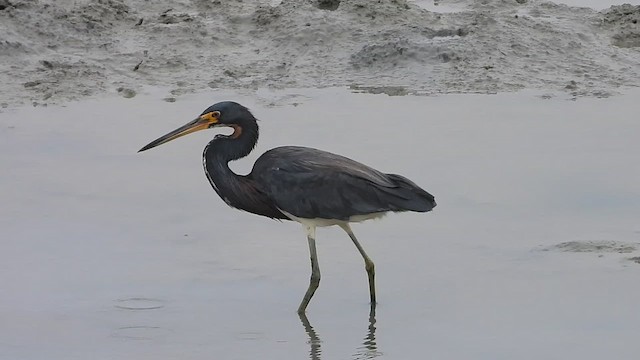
column 226, row 113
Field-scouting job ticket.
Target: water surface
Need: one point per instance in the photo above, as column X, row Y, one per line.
column 107, row 253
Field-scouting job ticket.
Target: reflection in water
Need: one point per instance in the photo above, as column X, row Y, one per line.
column 368, row 350
column 314, row 340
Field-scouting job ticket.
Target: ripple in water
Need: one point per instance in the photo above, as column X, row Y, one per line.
column 139, row 332
column 139, row 303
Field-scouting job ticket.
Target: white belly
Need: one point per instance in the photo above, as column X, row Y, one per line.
column 319, row 222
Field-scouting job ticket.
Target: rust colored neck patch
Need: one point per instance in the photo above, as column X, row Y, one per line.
column 237, row 131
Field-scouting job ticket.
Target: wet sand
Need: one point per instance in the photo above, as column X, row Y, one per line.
column 107, row 253
column 53, row 51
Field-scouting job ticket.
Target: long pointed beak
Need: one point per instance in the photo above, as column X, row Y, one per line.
column 201, row 123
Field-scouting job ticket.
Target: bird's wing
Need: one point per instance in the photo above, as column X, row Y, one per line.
column 311, row 183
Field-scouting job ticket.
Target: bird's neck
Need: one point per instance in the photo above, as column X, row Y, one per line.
column 236, row 190
column 223, row 149
column 235, row 146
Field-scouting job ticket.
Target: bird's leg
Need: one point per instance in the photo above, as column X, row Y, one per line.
column 368, row 264
column 315, row 269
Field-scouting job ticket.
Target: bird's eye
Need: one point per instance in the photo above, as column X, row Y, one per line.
column 216, row 114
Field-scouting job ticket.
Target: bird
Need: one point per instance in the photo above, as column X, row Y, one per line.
column 313, row 187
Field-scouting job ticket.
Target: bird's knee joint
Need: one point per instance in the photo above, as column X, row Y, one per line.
column 315, row 280
column 369, row 266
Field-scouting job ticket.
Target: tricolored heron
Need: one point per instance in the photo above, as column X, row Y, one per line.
column 310, row 186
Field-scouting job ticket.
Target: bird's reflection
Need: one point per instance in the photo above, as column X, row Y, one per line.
column 368, row 350
column 314, row 340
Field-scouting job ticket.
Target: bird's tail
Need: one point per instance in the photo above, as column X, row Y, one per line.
column 409, row 196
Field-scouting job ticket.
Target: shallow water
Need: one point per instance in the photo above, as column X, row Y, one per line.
column 107, row 253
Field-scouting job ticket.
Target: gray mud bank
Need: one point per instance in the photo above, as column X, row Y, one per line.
column 54, row 51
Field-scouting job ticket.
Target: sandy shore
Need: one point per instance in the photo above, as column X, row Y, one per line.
column 54, row 51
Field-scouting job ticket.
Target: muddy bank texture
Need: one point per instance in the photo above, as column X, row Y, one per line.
column 53, row 51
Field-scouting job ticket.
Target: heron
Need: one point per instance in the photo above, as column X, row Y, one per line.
column 312, row 187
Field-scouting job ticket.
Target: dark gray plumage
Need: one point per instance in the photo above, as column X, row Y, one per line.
column 313, row 187
column 311, row 183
